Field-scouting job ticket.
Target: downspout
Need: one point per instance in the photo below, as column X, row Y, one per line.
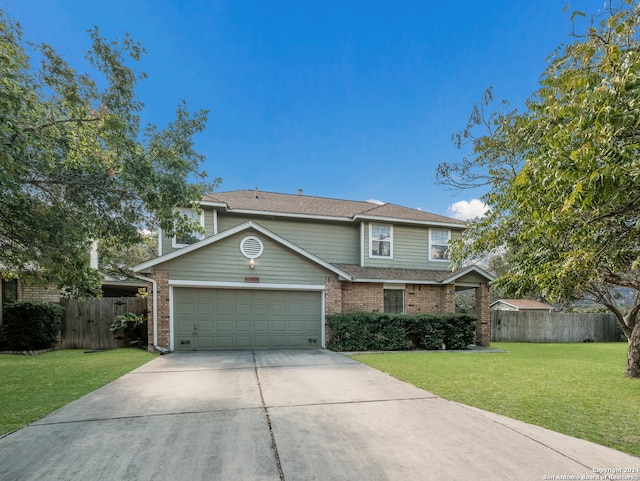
column 362, row 248
column 155, row 312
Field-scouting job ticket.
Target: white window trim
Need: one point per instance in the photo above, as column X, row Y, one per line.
column 371, row 256
column 430, row 244
column 174, row 243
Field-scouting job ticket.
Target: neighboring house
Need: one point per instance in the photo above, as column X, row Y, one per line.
column 519, row 305
column 17, row 290
column 272, row 266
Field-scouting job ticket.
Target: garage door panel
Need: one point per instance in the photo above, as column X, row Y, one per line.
column 260, row 310
column 278, row 340
column 204, row 309
column 224, row 342
column 243, row 325
column 203, row 295
column 223, row 309
column 261, row 325
column 206, row 326
column 295, row 325
column 294, row 311
column 294, row 296
column 224, row 325
column 207, row 318
column 243, row 342
column 279, row 325
column 204, row 342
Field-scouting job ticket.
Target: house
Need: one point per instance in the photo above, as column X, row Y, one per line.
column 271, row 266
column 519, row 305
column 19, row 290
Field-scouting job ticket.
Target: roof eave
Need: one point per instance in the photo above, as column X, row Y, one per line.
column 408, row 221
column 288, row 214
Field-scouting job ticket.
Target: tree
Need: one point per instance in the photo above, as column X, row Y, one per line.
column 563, row 175
column 117, row 260
column 75, row 163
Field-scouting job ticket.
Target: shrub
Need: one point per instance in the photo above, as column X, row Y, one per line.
column 133, row 327
column 370, row 331
column 31, row 325
column 367, row 331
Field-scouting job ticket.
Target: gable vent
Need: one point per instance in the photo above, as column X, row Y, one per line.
column 251, row 247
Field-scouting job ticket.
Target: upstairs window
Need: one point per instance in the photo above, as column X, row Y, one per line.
column 380, row 241
column 439, row 244
column 188, row 238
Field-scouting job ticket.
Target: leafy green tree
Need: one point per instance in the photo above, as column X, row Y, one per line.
column 563, row 175
column 76, row 164
column 117, row 260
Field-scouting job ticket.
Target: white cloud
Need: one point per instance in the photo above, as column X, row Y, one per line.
column 465, row 210
column 376, row 201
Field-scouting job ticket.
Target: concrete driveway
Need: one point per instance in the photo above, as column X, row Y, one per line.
column 284, row 415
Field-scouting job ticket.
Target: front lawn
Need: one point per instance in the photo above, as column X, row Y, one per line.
column 575, row 389
column 33, row 386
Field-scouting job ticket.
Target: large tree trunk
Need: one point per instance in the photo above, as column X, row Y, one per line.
column 633, row 355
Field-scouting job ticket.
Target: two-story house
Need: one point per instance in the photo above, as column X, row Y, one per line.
column 272, row 266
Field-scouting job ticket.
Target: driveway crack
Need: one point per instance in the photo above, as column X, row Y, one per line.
column 274, row 446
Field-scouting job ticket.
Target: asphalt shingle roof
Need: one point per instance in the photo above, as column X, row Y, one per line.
column 390, row 274
column 524, row 303
column 249, row 200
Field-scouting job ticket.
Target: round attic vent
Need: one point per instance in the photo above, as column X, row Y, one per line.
column 251, row 247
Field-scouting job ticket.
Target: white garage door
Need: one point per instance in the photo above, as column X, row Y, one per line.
column 209, row 319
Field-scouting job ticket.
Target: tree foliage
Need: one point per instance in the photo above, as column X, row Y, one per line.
column 117, row 260
column 76, row 164
column 563, row 174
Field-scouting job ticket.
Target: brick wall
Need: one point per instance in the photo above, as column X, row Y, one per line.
column 427, row 299
column 333, row 296
column 162, row 293
column 38, row 293
column 483, row 326
column 367, row 297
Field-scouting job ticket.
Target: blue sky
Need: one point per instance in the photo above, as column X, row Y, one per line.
column 352, row 99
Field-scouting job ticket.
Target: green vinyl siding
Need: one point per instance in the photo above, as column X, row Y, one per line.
column 410, row 249
column 331, row 241
column 222, row 261
column 167, row 241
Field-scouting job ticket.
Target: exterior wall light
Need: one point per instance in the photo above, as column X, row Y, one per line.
column 252, row 263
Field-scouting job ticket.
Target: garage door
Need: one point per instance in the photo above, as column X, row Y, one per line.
column 207, row 319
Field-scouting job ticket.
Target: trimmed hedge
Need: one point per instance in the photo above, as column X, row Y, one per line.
column 31, row 325
column 374, row 331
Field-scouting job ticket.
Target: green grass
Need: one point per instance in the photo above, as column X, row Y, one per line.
column 575, row 389
column 33, row 386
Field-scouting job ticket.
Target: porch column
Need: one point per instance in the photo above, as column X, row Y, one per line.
column 483, row 326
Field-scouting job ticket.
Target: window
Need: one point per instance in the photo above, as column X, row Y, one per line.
column 439, row 244
column 381, row 241
column 9, row 290
column 394, row 301
column 185, row 239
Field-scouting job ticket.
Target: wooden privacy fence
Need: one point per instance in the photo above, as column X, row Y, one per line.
column 86, row 323
column 521, row 326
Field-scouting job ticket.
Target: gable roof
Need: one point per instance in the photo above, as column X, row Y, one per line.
column 270, row 203
column 230, row 232
column 523, row 304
